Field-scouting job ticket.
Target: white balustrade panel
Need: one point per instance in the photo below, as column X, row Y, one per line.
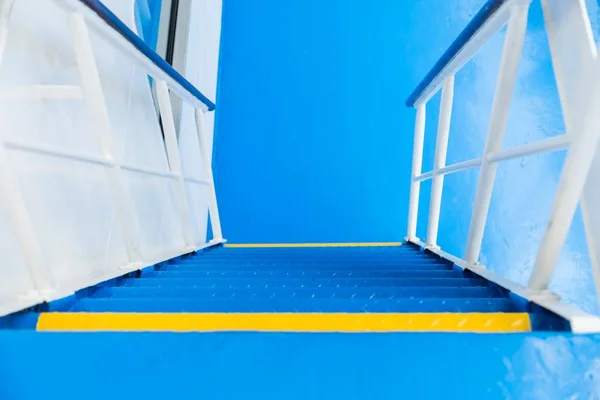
column 69, row 202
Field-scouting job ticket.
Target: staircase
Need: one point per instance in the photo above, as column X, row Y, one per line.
column 352, row 289
column 379, row 320
column 295, row 322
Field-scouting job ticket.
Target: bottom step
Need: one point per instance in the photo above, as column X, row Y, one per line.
column 286, row 322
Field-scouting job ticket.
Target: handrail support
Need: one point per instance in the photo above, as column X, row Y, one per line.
column 441, row 149
column 206, row 155
column 98, row 112
column 511, row 54
column 417, row 161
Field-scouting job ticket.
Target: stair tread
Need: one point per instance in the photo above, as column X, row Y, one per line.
column 299, row 281
column 319, row 293
column 397, row 265
column 299, row 274
column 293, row 305
column 291, row 282
column 302, row 269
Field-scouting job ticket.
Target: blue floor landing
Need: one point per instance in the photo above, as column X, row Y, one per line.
column 299, row 366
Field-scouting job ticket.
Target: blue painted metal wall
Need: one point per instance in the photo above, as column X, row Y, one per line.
column 147, row 18
column 310, row 142
column 314, row 142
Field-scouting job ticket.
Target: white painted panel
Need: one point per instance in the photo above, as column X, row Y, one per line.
column 70, row 207
column 69, row 202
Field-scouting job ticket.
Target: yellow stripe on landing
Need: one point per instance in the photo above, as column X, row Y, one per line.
column 284, row 245
column 286, row 322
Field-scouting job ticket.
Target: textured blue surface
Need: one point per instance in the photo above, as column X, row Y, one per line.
column 353, row 280
column 299, row 305
column 260, row 283
column 298, row 293
column 297, row 366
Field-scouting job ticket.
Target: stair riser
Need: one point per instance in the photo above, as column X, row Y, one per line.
column 306, row 293
column 295, row 283
column 241, row 265
column 295, row 305
column 300, row 275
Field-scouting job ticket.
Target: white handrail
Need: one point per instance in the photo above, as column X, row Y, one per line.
column 580, row 98
column 492, row 16
column 133, row 47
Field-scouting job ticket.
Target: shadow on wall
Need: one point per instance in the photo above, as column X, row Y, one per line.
column 314, row 143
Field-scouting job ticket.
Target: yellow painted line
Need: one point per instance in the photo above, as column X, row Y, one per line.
column 286, row 322
column 284, row 245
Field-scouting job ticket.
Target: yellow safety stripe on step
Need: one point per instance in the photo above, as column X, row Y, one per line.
column 286, row 322
column 284, row 245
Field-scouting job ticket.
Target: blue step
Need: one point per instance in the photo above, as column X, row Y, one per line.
column 185, row 304
column 300, row 267
column 282, row 264
column 344, row 280
column 302, row 275
column 320, row 258
column 308, row 293
column 308, row 253
column 291, row 283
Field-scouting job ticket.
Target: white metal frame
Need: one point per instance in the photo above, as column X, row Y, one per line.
column 90, row 91
column 571, row 45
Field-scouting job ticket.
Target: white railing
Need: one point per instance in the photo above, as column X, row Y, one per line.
column 578, row 78
column 92, row 193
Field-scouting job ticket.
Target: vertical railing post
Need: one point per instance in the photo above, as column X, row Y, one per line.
column 574, row 56
column 169, row 129
column 206, row 155
column 511, row 54
column 417, row 161
column 100, row 122
column 576, row 66
column 570, row 188
column 441, row 148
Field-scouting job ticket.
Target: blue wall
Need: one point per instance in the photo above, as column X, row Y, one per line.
column 313, row 143
column 147, row 19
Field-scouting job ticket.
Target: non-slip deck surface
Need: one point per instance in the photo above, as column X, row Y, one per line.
column 299, row 288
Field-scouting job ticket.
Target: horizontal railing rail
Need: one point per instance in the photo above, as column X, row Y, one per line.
column 541, row 146
column 577, row 72
column 121, row 196
column 493, row 15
